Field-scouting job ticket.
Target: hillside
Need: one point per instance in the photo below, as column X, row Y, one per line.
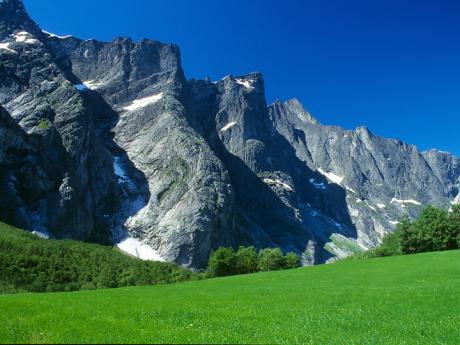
column 410, row 299
column 30, row 263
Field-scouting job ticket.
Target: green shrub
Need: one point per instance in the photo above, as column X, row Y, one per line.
column 246, row 260
column 391, row 243
column 222, row 262
column 291, row 260
column 44, row 124
column 434, row 230
column 271, row 259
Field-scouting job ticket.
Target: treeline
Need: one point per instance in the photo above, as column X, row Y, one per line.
column 29, row 263
column 226, row 261
column 434, row 230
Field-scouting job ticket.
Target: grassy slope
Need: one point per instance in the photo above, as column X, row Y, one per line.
column 29, row 263
column 396, row 300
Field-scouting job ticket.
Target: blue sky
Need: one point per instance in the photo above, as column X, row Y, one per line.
column 392, row 65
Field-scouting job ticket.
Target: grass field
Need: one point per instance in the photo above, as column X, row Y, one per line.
column 396, row 300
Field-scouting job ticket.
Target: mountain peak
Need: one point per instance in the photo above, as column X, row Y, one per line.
column 13, row 16
column 294, row 105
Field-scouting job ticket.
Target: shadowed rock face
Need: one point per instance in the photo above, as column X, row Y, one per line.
column 100, row 140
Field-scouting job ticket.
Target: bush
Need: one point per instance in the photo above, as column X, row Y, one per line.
column 391, row 243
column 225, row 261
column 292, row 260
column 246, row 260
column 222, row 262
column 434, row 230
column 271, row 259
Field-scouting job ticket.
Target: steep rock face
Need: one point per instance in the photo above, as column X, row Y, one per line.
column 275, row 205
column 80, row 189
column 181, row 205
column 108, row 141
column 384, row 178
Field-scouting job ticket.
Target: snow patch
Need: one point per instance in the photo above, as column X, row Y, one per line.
column 372, row 208
column 24, row 37
column 394, row 222
column 246, row 83
column 54, row 35
column 227, row 126
column 407, row 201
column 118, row 169
column 139, row 249
column 351, row 190
column 314, row 213
column 226, row 77
column 6, row 46
column 270, row 181
column 332, row 177
column 381, row 205
column 88, row 84
column 335, row 179
column 143, row 102
column 318, row 185
column 338, row 225
column 92, row 84
column 80, row 87
column 41, row 234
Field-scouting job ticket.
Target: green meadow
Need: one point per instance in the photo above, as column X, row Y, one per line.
column 412, row 299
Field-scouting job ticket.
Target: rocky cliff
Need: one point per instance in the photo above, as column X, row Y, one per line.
column 109, row 142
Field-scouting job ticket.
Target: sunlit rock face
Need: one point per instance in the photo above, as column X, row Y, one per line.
column 108, row 142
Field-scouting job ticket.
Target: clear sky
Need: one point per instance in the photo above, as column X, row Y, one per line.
column 392, row 65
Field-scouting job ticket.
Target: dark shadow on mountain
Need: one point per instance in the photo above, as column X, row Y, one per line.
column 132, row 188
column 133, row 183
column 262, row 216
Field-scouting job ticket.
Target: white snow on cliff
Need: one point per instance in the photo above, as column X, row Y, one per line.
column 139, row 249
column 25, row 37
column 283, row 185
column 88, row 84
column 407, row 201
column 318, row 185
column 227, row 126
column 331, row 176
column 143, row 102
column 6, row 46
column 54, row 35
column 246, row 83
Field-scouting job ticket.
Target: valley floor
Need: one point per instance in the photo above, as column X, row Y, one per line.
column 397, row 300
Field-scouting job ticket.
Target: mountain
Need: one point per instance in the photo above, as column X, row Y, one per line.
column 109, row 142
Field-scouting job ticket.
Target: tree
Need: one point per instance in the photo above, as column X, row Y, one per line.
column 391, row 243
column 432, row 231
column 271, row 259
column 222, row 262
column 291, row 260
column 246, row 260
column 454, row 223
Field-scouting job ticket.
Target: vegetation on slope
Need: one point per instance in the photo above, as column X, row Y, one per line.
column 227, row 262
column 29, row 263
column 434, row 230
column 409, row 299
